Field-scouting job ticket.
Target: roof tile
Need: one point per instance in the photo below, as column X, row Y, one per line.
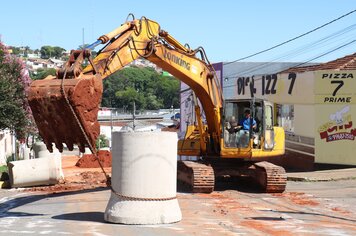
column 345, row 63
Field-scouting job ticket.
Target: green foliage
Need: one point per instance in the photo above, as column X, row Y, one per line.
column 42, row 73
column 14, row 80
column 21, row 50
column 16, row 50
column 49, row 51
column 10, row 158
column 145, row 86
column 3, row 169
column 101, row 142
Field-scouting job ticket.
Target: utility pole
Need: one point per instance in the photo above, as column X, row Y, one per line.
column 83, row 38
column 133, row 116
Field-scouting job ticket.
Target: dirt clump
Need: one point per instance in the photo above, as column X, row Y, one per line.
column 90, row 161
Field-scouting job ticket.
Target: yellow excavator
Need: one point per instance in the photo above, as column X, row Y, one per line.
column 65, row 108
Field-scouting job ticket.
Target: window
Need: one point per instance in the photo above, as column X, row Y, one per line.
column 285, row 117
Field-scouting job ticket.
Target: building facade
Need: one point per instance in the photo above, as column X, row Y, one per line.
column 315, row 104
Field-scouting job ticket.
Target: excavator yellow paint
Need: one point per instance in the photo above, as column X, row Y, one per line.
column 65, row 107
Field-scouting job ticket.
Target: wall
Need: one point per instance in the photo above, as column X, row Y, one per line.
column 314, row 97
column 5, row 146
column 335, row 120
column 304, row 120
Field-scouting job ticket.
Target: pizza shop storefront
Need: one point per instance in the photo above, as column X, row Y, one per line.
column 316, row 108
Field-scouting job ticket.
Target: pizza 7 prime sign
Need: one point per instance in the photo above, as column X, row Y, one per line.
column 335, row 87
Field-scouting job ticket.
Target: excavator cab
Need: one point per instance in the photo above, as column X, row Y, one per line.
column 238, row 135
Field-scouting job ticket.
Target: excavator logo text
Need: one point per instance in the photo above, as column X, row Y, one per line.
column 175, row 59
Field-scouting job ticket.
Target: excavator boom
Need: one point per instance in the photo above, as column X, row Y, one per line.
column 65, row 107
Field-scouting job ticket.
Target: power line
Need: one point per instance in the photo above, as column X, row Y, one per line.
column 314, row 58
column 290, row 40
column 344, row 45
column 301, row 50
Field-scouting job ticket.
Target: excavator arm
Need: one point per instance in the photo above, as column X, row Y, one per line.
column 65, row 107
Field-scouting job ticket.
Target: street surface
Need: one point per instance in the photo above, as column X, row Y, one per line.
column 306, row 208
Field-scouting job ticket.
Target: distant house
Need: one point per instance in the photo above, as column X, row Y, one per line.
column 33, row 55
column 141, row 62
column 55, row 63
column 34, row 64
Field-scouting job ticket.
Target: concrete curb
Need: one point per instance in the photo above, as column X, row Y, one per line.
column 306, row 179
column 324, row 175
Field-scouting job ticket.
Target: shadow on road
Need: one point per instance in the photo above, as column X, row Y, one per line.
column 7, row 206
column 314, row 214
column 241, row 184
column 267, row 218
column 82, row 216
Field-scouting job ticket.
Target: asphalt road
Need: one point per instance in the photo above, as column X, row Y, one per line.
column 306, row 208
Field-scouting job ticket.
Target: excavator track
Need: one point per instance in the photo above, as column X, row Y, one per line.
column 272, row 178
column 198, row 177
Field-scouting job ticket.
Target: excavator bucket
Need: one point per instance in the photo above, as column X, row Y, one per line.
column 66, row 111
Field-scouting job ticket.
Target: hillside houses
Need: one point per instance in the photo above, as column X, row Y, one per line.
column 34, row 64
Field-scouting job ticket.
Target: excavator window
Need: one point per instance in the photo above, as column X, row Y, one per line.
column 234, row 134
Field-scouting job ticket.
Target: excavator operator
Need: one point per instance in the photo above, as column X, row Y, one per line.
column 246, row 121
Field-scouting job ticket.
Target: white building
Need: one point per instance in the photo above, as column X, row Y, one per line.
column 315, row 106
column 38, row 63
column 6, row 145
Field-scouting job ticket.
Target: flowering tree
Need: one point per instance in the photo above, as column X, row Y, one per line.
column 15, row 113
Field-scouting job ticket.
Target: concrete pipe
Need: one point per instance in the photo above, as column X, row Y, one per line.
column 40, row 151
column 144, row 173
column 35, row 172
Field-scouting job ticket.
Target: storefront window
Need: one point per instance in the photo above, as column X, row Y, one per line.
column 285, row 117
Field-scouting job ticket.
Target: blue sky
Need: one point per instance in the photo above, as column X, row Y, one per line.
column 228, row 30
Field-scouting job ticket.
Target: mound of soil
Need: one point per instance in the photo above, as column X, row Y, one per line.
column 90, row 161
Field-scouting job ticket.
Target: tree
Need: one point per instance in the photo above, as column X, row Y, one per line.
column 49, row 51
column 42, row 73
column 16, row 50
column 15, row 113
column 57, row 52
column 46, row 52
column 145, row 86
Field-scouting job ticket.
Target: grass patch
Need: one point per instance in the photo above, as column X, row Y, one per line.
column 3, row 169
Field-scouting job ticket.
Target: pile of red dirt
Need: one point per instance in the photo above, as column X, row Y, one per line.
column 90, row 161
column 80, row 181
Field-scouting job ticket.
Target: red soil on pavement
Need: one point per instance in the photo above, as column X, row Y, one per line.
column 298, row 198
column 75, row 178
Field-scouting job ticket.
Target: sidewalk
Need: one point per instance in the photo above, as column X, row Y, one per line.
column 323, row 175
